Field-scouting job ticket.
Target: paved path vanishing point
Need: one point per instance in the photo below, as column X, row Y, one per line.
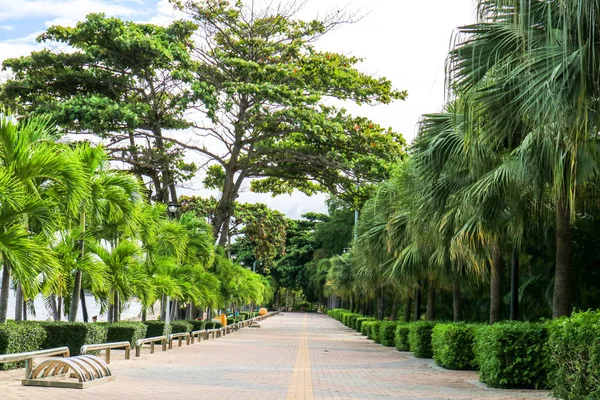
column 293, row 356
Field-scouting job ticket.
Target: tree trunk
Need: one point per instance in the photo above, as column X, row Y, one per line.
column 163, row 307
column 430, row 302
column 395, row 306
column 144, row 314
column 78, row 275
column 117, row 307
column 24, row 310
column 60, row 308
column 84, row 311
column 561, row 302
column 418, row 304
column 380, row 306
column 496, row 283
column 53, row 307
column 19, row 303
column 407, row 307
column 456, row 301
column 109, row 316
column 4, row 290
column 514, row 285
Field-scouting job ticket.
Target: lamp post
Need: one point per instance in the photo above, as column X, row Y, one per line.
column 172, row 208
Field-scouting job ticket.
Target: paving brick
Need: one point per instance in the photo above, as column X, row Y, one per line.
column 294, row 356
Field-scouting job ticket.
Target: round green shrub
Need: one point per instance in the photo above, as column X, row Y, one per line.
column 374, row 332
column 401, row 337
column 512, row 355
column 453, row 346
column 574, row 351
column 365, row 328
column 359, row 322
column 387, row 333
column 419, row 338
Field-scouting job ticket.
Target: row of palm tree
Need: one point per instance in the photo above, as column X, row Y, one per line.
column 70, row 224
column 511, row 158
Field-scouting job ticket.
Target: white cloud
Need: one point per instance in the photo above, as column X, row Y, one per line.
column 7, row 27
column 67, row 9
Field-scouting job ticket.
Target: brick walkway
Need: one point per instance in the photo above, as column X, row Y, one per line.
column 295, row 356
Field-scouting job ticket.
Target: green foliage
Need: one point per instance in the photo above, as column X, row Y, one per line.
column 197, row 325
column 373, row 333
column 157, row 328
column 126, row 331
column 360, row 321
column 512, row 355
column 73, row 335
column 574, row 351
column 365, row 328
column 453, row 346
column 387, row 333
column 213, row 325
column 351, row 320
column 419, row 338
column 20, row 338
column 117, row 77
column 401, row 337
column 181, row 326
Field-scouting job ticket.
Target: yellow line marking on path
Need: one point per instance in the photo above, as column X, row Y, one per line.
column 301, row 385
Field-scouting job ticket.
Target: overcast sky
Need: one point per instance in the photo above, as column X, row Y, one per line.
column 405, row 41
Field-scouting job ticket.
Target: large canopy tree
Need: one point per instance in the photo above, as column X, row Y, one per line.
column 124, row 82
column 270, row 116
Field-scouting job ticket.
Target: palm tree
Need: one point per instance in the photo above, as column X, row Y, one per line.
column 108, row 211
column 533, row 68
column 39, row 164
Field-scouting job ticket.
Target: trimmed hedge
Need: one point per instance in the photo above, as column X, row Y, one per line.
column 453, row 346
column 73, row 335
column 365, row 328
column 157, row 328
column 20, row 337
column 574, row 351
column 213, row 325
column 512, row 354
column 387, row 333
column 126, row 331
column 197, row 325
column 401, row 337
column 419, row 338
column 374, row 332
column 352, row 320
column 181, row 326
column 360, row 321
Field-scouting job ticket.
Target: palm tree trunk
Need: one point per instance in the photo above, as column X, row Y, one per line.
column 561, row 302
column 380, row 306
column 496, row 283
column 395, row 306
column 117, row 306
column 5, row 289
column 78, row 274
column 407, row 310
column 418, row 304
column 83, row 306
column 53, row 307
column 24, row 310
column 430, row 301
column 514, row 285
column 163, row 307
column 60, row 302
column 19, row 303
column 109, row 317
column 456, row 301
